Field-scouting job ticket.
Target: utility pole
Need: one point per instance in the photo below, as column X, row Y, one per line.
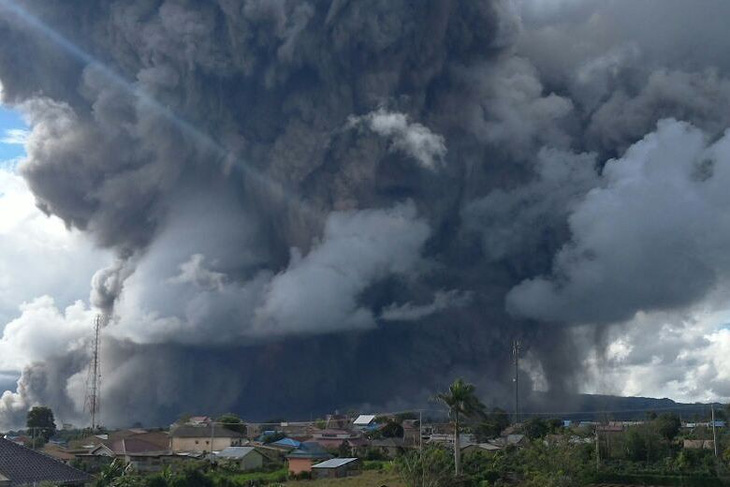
column 212, row 438
column 420, row 446
column 516, row 363
column 598, row 451
column 714, row 435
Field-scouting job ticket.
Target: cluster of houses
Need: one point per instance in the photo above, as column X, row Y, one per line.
column 325, row 449
column 304, row 447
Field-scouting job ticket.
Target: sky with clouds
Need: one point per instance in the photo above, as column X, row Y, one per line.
column 43, row 265
column 13, row 133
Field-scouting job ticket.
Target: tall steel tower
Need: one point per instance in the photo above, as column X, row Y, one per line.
column 92, row 403
column 516, row 364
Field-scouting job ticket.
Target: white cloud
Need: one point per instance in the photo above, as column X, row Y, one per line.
column 15, row 137
column 38, row 255
column 681, row 355
column 43, row 331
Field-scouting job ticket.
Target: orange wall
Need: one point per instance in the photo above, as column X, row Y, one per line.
column 299, row 465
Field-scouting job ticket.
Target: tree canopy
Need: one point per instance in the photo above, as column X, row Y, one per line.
column 41, row 423
column 232, row 422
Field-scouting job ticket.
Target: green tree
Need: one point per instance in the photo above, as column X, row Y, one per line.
column 535, row 428
column 232, row 422
column 554, row 425
column 110, row 475
column 667, row 425
column 463, row 403
column 494, row 423
column 392, row 430
column 41, row 424
column 635, row 445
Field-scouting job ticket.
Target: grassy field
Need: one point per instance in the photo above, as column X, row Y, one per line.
column 369, row 478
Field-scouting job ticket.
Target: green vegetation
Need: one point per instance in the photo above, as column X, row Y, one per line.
column 41, row 425
column 194, row 474
column 492, row 426
column 232, row 422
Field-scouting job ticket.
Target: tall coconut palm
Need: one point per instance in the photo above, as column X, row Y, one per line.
column 462, row 403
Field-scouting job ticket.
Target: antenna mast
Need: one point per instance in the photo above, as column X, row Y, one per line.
column 516, row 363
column 93, row 384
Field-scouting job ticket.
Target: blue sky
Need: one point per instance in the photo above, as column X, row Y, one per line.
column 10, row 126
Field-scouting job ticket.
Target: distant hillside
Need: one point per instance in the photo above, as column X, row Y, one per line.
column 595, row 407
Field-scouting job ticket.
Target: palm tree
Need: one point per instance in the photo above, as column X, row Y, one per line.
column 462, row 403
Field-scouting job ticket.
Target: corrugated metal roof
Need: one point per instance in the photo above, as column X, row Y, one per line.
column 335, row 463
column 288, row 442
column 235, row 451
column 364, row 419
column 309, row 449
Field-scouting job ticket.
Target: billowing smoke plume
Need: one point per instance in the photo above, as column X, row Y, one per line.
column 325, row 203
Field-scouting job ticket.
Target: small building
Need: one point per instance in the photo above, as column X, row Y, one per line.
column 390, row 447
column 336, row 468
column 698, row 444
column 411, row 432
column 610, row 428
column 143, row 452
column 337, row 421
column 286, row 444
column 60, row 453
column 480, row 447
column 245, row 457
column 22, row 466
column 330, row 438
column 448, row 438
column 296, row 430
column 302, row 459
column 204, row 438
column 515, row 440
column 364, row 421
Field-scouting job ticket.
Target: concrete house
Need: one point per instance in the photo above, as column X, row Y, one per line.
column 301, row 460
column 331, row 438
column 390, row 447
column 245, row 457
column 140, row 452
column 698, row 444
column 204, row 438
